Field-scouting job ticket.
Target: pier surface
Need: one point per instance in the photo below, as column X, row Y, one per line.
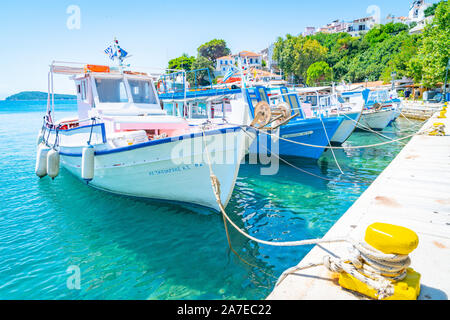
column 413, row 192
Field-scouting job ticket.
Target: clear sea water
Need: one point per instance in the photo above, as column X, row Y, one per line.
column 133, row 249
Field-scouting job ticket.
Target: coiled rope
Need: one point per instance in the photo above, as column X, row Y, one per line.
column 366, row 264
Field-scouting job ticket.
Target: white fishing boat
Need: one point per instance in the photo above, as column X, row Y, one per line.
column 121, row 141
column 378, row 111
column 376, row 119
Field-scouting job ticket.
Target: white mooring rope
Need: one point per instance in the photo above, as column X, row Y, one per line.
column 372, row 267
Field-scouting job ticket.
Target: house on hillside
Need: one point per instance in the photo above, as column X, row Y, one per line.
column 358, row 26
column 248, row 58
column 417, row 10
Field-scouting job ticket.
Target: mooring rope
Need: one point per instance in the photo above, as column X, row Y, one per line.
column 307, row 172
column 329, row 145
column 368, row 129
column 346, row 147
column 367, row 264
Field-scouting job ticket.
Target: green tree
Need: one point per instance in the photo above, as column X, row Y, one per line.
column 201, row 78
column 433, row 54
column 213, row 49
column 285, row 54
column 319, row 72
column 182, row 63
column 399, row 60
column 309, row 51
column 430, row 11
column 295, row 54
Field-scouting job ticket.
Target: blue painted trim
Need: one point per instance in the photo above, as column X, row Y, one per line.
column 249, row 100
column 198, row 94
column 266, row 96
column 155, row 142
column 284, row 90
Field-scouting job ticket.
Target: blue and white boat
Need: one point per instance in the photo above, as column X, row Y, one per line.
column 121, row 141
column 302, row 130
column 327, row 102
column 237, row 106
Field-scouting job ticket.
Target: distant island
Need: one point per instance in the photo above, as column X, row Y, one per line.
column 38, row 95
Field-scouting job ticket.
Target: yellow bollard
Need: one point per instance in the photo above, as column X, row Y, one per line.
column 388, row 239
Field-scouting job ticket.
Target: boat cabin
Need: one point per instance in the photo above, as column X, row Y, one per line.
column 122, row 101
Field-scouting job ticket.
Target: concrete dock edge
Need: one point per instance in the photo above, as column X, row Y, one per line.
column 414, row 192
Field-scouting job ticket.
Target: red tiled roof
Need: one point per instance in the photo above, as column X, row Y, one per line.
column 225, row 57
column 249, row 53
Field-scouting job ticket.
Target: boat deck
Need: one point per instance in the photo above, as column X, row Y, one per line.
column 414, row 192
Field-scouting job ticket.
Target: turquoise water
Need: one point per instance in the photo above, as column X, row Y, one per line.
column 133, row 249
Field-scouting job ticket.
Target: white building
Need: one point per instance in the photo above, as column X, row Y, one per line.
column 358, row 26
column 267, row 56
column 393, row 19
column 248, row 58
column 417, row 10
column 421, row 25
column 309, row 31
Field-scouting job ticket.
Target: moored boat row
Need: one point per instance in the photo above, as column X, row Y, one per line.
column 168, row 142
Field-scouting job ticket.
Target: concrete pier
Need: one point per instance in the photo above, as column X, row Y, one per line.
column 414, row 192
column 418, row 110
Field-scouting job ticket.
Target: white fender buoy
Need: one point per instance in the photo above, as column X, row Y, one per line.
column 87, row 163
column 41, row 161
column 53, row 163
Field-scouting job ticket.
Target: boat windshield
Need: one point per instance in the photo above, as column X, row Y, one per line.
column 378, row 96
column 199, row 111
column 311, row 99
column 111, row 90
column 142, row 91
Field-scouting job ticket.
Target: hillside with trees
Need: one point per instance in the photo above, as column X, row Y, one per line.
column 372, row 56
column 340, row 57
column 207, row 55
column 38, row 95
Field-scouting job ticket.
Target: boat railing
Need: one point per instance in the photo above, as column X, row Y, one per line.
column 171, row 82
column 49, row 127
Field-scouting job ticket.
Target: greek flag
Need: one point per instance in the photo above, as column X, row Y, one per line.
column 111, row 52
column 122, row 52
column 228, row 75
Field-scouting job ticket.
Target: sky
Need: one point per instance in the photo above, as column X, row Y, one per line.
column 34, row 33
